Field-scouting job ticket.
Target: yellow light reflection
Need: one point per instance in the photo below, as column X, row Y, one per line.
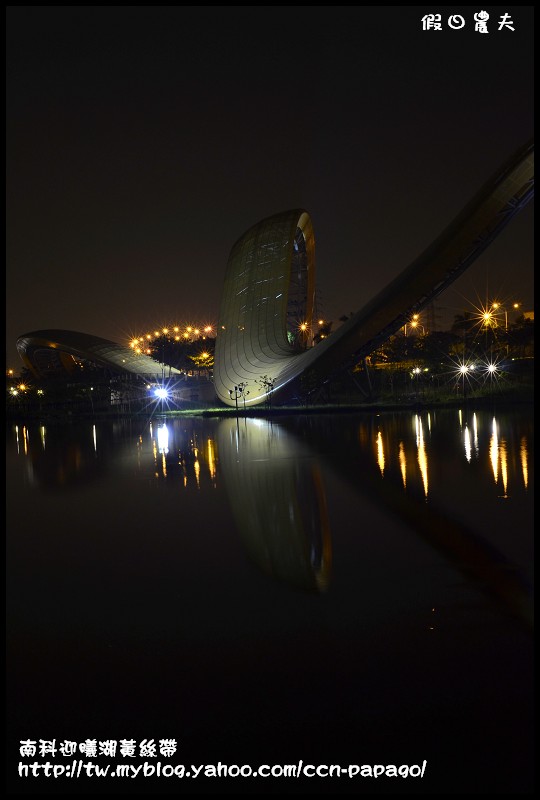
column 17, row 438
column 503, row 455
column 422, row 455
column 197, row 467
column 211, row 458
column 403, row 464
column 155, row 453
column 25, row 440
column 380, row 453
column 42, row 435
column 494, row 451
column 524, row 461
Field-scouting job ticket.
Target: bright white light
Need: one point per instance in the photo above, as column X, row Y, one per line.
column 163, row 439
column 161, row 392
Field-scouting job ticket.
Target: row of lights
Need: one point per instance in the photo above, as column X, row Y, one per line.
column 189, row 333
column 303, row 326
column 489, row 315
column 22, row 387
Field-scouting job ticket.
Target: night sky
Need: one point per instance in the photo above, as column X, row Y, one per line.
column 142, row 142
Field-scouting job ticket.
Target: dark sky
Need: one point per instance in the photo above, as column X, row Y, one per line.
column 142, row 142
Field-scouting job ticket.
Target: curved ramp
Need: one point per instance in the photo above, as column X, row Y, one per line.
column 254, row 350
column 43, row 351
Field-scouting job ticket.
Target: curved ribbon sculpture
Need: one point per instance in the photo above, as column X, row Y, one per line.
column 268, row 299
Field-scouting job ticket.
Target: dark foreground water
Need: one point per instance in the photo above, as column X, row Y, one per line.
column 331, row 589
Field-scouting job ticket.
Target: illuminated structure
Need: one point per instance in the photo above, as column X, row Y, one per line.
column 267, row 304
column 52, row 351
column 264, row 338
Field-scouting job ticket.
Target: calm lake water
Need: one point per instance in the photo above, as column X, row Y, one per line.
column 341, row 589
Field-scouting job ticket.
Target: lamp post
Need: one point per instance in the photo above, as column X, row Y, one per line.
column 491, row 371
column 304, row 334
column 235, row 393
column 464, row 369
column 243, row 388
column 416, row 373
column 414, row 323
column 496, row 307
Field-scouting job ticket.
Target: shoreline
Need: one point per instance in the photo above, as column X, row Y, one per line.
column 66, row 415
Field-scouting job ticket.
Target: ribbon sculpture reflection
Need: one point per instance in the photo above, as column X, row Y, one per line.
column 471, row 553
column 275, row 487
column 278, row 500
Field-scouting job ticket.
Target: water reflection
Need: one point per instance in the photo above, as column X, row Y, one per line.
column 421, row 452
column 431, row 470
column 277, row 495
column 403, row 464
column 524, row 461
column 175, row 581
column 380, row 452
column 163, row 439
column 448, row 521
column 58, row 457
column 499, row 457
column 467, row 441
column 183, row 453
column 74, row 453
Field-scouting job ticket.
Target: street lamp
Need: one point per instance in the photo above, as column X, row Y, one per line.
column 496, row 306
column 304, row 333
column 162, row 394
column 245, row 392
column 414, row 323
column 416, row 373
column 235, row 393
column 464, row 368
